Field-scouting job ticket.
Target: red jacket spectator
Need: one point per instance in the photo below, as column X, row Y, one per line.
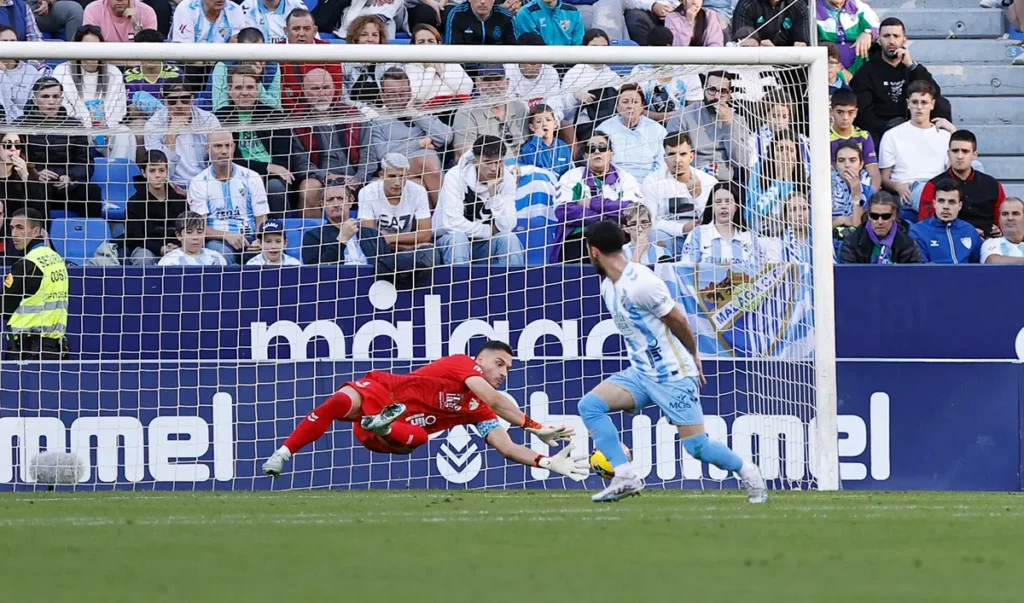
column 980, row 193
column 293, row 72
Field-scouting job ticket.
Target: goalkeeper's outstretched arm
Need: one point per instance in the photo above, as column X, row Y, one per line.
column 506, row 409
column 575, row 468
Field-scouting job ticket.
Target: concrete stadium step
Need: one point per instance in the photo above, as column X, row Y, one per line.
column 998, row 140
column 1004, row 167
column 941, row 23
column 955, row 52
column 1014, row 189
column 979, row 80
column 909, row 5
column 988, row 111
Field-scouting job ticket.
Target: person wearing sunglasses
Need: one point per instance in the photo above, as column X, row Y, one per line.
column 591, row 193
column 883, row 239
column 15, row 174
column 720, row 137
column 178, row 131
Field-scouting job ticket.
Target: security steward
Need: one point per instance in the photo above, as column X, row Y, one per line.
column 35, row 295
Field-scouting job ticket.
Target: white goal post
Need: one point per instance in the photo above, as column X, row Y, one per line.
column 824, row 443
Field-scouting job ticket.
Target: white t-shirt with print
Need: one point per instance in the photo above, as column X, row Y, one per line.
column 394, row 219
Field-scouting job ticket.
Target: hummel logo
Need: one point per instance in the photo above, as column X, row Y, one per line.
column 312, row 417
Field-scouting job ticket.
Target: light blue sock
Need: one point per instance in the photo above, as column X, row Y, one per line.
column 594, row 411
column 718, row 454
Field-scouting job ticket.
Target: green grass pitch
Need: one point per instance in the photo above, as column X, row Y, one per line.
column 416, row 547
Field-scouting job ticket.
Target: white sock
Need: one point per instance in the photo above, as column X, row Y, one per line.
column 624, row 471
column 283, row 451
column 747, row 469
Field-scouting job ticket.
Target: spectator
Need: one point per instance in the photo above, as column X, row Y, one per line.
column 644, row 15
column 318, row 154
column 638, row 140
column 268, row 75
column 666, row 94
column 178, row 131
column 301, row 29
column 190, row 229
column 478, row 22
column 336, row 242
column 9, row 254
column 721, row 141
column 476, row 213
column 232, row 198
column 558, row 23
column 207, row 21
column 534, row 83
column 50, row 17
column 19, row 17
column 95, row 96
column 544, row 149
column 391, row 15
column 771, row 182
column 980, row 193
column 850, row 26
column 394, row 214
column 15, row 174
column 838, row 77
column 144, row 83
column 152, row 212
column 944, row 238
column 270, row 17
column 1009, row 248
column 120, row 20
column 400, row 129
column 851, row 186
column 677, row 193
column 589, row 91
column 61, row 160
column 914, row 151
column 882, row 84
column 693, row 25
column 794, row 244
column 16, row 80
column 772, row 22
column 273, row 241
column 265, row 148
column 436, row 84
column 779, row 119
column 844, row 113
column 362, row 80
column 722, row 237
column 425, row 12
column 495, row 114
column 596, row 191
column 881, row 240
column 640, row 249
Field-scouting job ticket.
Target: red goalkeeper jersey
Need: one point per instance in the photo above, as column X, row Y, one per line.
column 436, row 396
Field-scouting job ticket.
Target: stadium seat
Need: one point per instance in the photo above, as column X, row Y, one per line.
column 76, row 239
column 114, row 177
column 619, row 68
column 294, row 229
column 60, row 214
column 536, row 235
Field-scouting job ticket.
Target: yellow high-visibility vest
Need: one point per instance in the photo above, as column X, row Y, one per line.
column 45, row 313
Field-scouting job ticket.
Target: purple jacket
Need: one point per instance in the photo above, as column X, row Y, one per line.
column 571, row 215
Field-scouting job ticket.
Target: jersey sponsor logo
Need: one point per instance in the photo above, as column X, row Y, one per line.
column 452, row 402
column 459, row 460
column 421, row 419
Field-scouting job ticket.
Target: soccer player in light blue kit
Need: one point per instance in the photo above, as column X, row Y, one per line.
column 664, row 369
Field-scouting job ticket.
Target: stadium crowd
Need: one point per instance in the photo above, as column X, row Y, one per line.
column 428, row 164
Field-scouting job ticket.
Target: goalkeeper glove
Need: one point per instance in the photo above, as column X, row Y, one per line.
column 547, row 433
column 576, row 468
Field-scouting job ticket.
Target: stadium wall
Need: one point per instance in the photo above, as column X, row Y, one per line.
column 931, row 386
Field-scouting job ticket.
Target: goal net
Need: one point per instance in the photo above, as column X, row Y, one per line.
column 419, row 200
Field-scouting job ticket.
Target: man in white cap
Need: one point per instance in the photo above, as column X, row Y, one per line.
column 273, row 242
column 396, row 211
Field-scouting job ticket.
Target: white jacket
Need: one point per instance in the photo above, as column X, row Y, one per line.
column 115, row 103
column 427, row 83
column 459, row 183
column 661, row 186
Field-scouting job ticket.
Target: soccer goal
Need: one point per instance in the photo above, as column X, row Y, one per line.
column 422, row 198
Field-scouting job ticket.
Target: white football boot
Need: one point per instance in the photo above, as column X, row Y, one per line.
column 753, row 484
column 621, row 487
column 275, row 464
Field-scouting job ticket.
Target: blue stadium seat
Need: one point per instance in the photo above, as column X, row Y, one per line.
column 60, row 214
column 405, row 41
column 619, row 68
column 114, row 177
column 536, row 234
column 76, row 239
column 294, row 229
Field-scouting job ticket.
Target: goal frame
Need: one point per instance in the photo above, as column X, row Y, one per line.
column 826, row 462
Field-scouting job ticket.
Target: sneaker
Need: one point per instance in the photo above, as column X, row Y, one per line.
column 621, row 487
column 753, row 484
column 380, row 424
column 275, row 464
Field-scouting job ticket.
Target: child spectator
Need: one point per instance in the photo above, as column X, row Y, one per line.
column 636, row 220
column 152, row 211
column 838, row 78
column 779, row 119
column 771, row 182
column 273, row 241
column 544, row 149
column 851, row 186
column 190, row 228
column 844, row 113
column 850, row 26
column 944, row 238
column 144, row 83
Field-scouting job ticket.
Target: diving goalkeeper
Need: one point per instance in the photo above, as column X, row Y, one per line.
column 395, row 414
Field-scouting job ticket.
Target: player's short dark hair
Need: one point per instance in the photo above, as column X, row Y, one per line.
column 296, row 14
column 606, row 236
column 948, row 185
column 844, row 97
column 149, row 36
column 892, row 22
column 964, row 136
column 675, row 139
column 498, row 346
column 488, row 147
column 922, row 87
column 251, row 35
column 33, row 216
column 188, row 219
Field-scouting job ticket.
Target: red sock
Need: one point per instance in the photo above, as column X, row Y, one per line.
column 319, row 421
column 407, row 436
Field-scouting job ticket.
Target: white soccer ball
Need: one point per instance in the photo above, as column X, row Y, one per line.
column 55, row 468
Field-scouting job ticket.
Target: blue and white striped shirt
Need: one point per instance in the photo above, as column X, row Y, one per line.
column 705, row 244
column 651, row 256
column 1001, row 246
column 230, row 205
column 191, row 26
